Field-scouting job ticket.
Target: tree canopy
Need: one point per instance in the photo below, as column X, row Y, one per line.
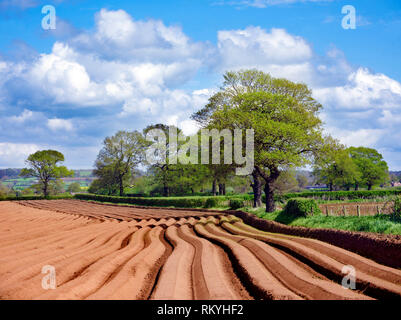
column 282, row 114
column 44, row 166
column 116, row 161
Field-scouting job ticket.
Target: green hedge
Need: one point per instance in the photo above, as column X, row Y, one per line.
column 14, row 198
column 187, row 202
column 236, row 204
column 300, row 207
column 340, row 195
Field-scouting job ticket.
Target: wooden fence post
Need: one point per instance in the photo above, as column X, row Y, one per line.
column 358, row 209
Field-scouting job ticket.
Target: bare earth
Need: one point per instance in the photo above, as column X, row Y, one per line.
column 111, row 252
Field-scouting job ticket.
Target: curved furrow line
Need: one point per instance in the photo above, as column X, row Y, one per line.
column 213, row 277
column 137, row 277
column 49, row 246
column 289, row 273
column 66, row 269
column 344, row 256
column 23, row 273
column 97, row 274
column 175, row 281
column 38, row 231
column 369, row 283
column 259, row 281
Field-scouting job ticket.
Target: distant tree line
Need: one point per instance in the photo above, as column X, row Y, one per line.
column 288, row 135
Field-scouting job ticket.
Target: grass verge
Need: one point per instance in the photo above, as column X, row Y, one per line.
column 378, row 224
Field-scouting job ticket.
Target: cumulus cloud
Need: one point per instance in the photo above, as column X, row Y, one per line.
column 256, row 46
column 60, row 124
column 12, row 155
column 127, row 73
column 363, row 90
column 25, row 115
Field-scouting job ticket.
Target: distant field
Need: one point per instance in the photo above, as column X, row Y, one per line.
column 19, row 184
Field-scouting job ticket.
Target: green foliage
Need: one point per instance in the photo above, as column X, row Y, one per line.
column 340, row 195
column 379, row 224
column 396, row 215
column 299, row 207
column 373, row 168
column 236, row 204
column 211, row 203
column 117, row 160
column 334, row 166
column 282, row 114
column 74, row 187
column 43, row 165
column 35, row 197
column 178, row 202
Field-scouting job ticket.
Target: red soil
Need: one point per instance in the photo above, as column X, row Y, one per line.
column 118, row 252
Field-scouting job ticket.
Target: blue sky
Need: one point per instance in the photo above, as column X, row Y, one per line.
column 126, row 64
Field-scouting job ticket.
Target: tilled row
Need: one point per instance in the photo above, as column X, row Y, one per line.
column 110, row 211
column 174, row 258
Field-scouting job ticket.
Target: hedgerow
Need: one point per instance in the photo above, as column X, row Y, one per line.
column 340, row 195
column 301, row 207
column 187, row 202
column 15, row 198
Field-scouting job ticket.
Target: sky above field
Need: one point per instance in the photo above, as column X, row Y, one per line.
column 109, row 67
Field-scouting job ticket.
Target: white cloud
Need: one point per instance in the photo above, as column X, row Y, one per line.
column 136, row 72
column 13, row 155
column 60, row 124
column 255, row 46
column 363, row 90
column 25, row 115
column 358, row 137
column 118, row 35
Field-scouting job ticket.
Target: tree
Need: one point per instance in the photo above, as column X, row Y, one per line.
column 74, row 187
column 334, row 166
column 373, row 168
column 247, row 91
column 286, row 182
column 4, row 191
column 302, row 181
column 286, row 129
column 44, row 166
column 118, row 159
column 163, row 170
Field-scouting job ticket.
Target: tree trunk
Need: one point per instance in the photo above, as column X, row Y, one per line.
column 270, row 205
column 369, row 187
column 166, row 191
column 257, row 190
column 269, row 180
column 220, row 189
column 214, row 187
column 330, row 187
column 356, row 187
column 45, row 188
column 224, row 189
column 121, row 187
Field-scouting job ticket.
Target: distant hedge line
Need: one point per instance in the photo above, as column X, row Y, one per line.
column 14, row 198
column 184, row 202
column 233, row 201
column 340, row 195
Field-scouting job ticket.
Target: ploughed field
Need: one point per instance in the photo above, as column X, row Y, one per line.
column 116, row 252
